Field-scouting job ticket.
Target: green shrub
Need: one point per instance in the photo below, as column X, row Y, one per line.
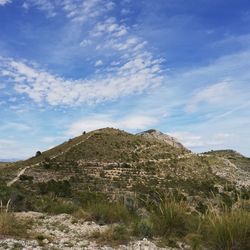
column 170, row 218
column 58, row 188
column 115, row 235
column 120, row 233
column 56, row 206
column 227, row 230
column 105, row 212
column 87, row 198
column 142, row 228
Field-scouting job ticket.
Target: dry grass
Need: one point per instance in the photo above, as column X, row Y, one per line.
column 227, row 230
column 114, row 236
column 106, row 212
column 170, row 217
column 11, row 226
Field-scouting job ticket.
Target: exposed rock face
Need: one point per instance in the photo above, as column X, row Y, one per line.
column 157, row 135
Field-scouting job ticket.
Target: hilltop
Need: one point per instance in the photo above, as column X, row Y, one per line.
column 159, row 136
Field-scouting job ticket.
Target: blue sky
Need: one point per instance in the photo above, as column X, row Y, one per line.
column 179, row 66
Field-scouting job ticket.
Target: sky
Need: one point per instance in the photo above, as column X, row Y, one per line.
column 68, row 66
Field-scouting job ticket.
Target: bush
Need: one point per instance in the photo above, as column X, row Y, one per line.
column 56, row 206
column 115, row 235
column 170, row 218
column 10, row 226
column 38, row 153
column 59, row 188
column 87, row 198
column 142, row 229
column 105, row 212
column 227, row 230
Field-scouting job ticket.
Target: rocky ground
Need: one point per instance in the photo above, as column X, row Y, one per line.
column 65, row 232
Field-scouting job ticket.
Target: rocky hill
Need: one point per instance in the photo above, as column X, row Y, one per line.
column 110, row 159
column 120, row 164
column 157, row 135
column 113, row 165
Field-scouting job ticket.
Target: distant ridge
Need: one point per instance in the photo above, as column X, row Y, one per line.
column 9, row 160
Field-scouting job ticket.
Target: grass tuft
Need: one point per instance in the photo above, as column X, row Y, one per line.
column 170, row 218
column 106, row 213
column 227, row 230
column 11, row 226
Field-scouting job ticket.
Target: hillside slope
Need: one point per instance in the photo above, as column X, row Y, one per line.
column 120, row 164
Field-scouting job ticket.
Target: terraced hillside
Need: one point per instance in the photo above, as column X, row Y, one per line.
column 119, row 164
column 133, row 187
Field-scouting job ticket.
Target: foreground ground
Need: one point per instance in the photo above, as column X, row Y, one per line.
column 65, row 232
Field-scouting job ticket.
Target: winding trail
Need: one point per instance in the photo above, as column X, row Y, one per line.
column 10, row 183
column 68, row 149
column 22, row 171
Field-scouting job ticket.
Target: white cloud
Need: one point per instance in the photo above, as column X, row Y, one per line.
column 191, row 140
column 188, row 139
column 3, row 2
column 77, row 11
column 10, row 149
column 81, row 11
column 15, row 126
column 138, row 74
column 85, row 43
column 110, row 27
column 132, row 122
column 138, row 69
column 213, row 94
column 53, row 139
column 44, row 5
column 99, row 63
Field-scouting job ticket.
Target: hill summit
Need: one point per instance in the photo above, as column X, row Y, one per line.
column 157, row 135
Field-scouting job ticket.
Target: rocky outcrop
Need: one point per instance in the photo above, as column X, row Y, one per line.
column 157, row 135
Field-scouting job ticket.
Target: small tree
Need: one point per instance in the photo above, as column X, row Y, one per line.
column 38, row 153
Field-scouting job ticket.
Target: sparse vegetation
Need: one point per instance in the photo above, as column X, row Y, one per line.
column 10, row 225
column 106, row 212
column 227, row 230
column 170, row 218
column 54, row 205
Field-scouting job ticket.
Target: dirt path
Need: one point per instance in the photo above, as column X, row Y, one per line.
column 68, row 149
column 22, row 171
column 10, row 183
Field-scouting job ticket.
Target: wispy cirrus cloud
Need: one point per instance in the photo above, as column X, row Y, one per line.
column 43, row 5
column 136, row 68
column 136, row 75
column 3, row 2
column 196, row 141
column 74, row 10
column 81, row 11
column 132, row 122
column 212, row 94
column 16, row 126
